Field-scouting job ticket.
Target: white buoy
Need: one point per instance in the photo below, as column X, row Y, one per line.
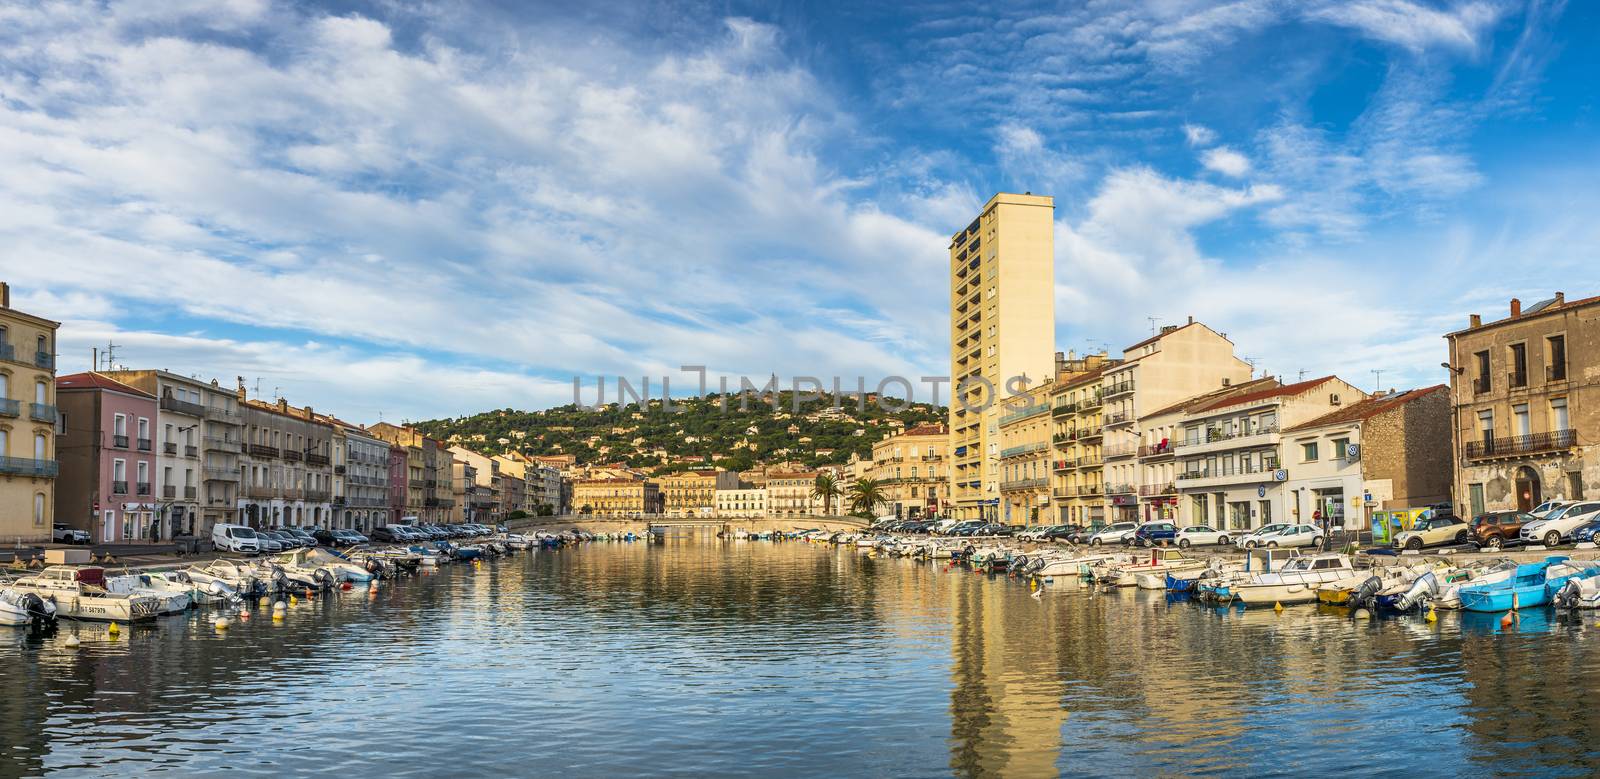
column 221, row 623
column 72, row 640
column 1363, row 614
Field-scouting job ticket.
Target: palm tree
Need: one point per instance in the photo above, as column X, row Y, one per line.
column 827, row 488
column 865, row 495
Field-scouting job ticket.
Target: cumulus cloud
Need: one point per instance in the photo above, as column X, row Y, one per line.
column 1226, row 161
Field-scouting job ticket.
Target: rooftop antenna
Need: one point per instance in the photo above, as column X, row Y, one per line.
column 258, row 388
column 1377, row 379
column 111, row 355
column 1302, row 376
column 1154, row 320
column 1252, row 361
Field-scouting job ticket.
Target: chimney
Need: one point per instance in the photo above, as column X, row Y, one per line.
column 283, row 405
column 5, row 295
column 242, row 393
column 1473, row 320
column 1191, row 319
column 1560, row 298
column 1516, row 308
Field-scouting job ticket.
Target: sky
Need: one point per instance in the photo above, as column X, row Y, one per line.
column 413, row 210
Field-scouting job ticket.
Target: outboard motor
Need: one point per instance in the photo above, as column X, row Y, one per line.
column 1426, row 586
column 41, row 616
column 1017, row 565
column 1569, row 595
column 322, row 578
column 1366, row 595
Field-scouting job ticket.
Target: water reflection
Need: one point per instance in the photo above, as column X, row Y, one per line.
column 739, row 658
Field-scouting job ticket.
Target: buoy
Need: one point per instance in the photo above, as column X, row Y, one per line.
column 244, row 616
column 1432, row 616
column 347, row 586
column 1277, row 606
column 277, row 616
column 280, row 607
column 373, row 587
column 1362, row 614
column 292, row 600
column 113, row 630
column 72, row 640
column 221, row 623
column 264, row 601
column 1506, row 621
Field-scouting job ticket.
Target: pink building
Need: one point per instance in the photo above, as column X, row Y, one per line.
column 397, row 483
column 107, row 457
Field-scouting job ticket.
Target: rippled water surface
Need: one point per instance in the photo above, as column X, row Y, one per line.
column 752, row 658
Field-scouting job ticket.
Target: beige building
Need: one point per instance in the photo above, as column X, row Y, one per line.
column 484, row 501
column 742, row 503
column 28, row 467
column 1002, row 331
column 513, row 484
column 1077, row 487
column 1025, row 458
column 694, row 493
column 430, row 494
column 286, row 465
column 789, row 494
column 620, row 497
column 1179, row 362
column 1233, row 459
column 1160, row 431
column 913, row 468
column 1526, row 397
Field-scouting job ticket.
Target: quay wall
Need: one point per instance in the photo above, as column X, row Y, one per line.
column 597, row 524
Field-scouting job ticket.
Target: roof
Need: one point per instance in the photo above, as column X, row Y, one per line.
column 1541, row 308
column 1283, row 390
column 91, row 380
column 1158, row 336
column 927, row 429
column 1092, row 375
column 1368, row 408
column 1216, row 394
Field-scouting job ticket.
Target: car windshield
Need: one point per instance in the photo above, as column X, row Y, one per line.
column 243, row 532
column 1121, row 526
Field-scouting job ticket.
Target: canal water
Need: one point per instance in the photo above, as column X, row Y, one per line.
column 749, row 658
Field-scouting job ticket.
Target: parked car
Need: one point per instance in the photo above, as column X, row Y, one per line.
column 1549, row 507
column 388, row 534
column 235, row 538
column 1060, row 532
column 1115, row 533
column 1256, row 537
column 1498, row 529
column 270, row 543
column 1559, row 524
column 1200, row 535
column 1433, row 531
column 1585, row 534
column 305, row 538
column 1084, row 533
column 1035, row 533
column 1155, row 534
column 1294, row 535
column 959, row 527
column 62, row 534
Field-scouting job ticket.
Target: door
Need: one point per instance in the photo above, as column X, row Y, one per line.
column 1528, row 491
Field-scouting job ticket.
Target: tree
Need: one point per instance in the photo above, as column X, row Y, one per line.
column 827, row 488
column 865, row 495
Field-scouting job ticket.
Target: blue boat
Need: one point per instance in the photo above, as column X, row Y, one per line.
column 1175, row 584
column 1525, row 588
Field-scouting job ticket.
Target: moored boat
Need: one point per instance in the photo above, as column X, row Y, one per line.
column 1524, row 588
column 80, row 593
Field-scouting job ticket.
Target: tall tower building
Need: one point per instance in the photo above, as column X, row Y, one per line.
column 1002, row 335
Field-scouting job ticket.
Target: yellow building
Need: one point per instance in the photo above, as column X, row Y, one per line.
column 1077, row 486
column 913, row 468
column 1002, row 328
column 616, row 497
column 1025, row 456
column 28, row 466
column 694, row 493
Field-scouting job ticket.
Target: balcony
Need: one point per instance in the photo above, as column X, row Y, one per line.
column 262, row 450
column 1118, row 452
column 1120, row 388
column 260, row 491
column 1234, row 473
column 338, row 500
column 1118, row 419
column 28, row 466
column 168, row 447
column 1086, row 490
column 213, row 473
column 317, row 496
column 119, row 487
column 1522, row 445
column 431, row 502
column 1163, row 449
column 1038, row 409
column 1119, row 489
column 42, row 412
column 141, row 488
column 221, row 444
column 313, row 458
column 190, row 450
column 1090, row 433
column 1090, row 461
column 1155, row 490
column 1517, row 379
column 1014, row 451
column 1216, row 439
column 293, row 455
column 1557, row 372
column 220, row 414
column 1023, row 484
column 119, row 442
column 44, row 360
column 339, row 469
column 169, row 491
column 416, row 484
column 293, row 493
column 189, row 493
column 1093, row 401
column 10, row 408
column 1064, row 465
column 169, row 403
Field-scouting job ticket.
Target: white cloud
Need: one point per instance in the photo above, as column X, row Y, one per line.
column 1199, row 135
column 1413, row 26
column 1226, row 161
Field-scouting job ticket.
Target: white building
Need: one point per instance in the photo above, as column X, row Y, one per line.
column 742, row 503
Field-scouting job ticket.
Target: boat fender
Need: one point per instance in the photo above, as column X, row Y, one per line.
column 1432, row 615
column 72, row 640
column 221, row 623
column 1277, row 606
column 1362, row 614
column 113, row 629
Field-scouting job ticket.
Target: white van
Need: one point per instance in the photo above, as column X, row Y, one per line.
column 235, row 538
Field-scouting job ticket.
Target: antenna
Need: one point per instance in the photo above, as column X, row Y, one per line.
column 1377, row 379
column 111, row 355
column 1252, row 361
column 1153, row 320
column 1302, row 375
column 258, row 388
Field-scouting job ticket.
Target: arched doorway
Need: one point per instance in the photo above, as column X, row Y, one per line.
column 1529, row 493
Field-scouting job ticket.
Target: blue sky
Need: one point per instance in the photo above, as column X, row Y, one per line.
column 413, row 210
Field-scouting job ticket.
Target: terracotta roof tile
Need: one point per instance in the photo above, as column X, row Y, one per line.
column 1368, row 408
column 1283, row 390
column 97, row 381
column 1216, row 394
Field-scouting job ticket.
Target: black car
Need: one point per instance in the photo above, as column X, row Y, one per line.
column 1060, row 532
column 961, row 528
column 389, row 534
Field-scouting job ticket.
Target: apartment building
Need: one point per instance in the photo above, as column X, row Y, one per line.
column 286, row 466
column 486, row 497
column 1388, row 451
column 1526, row 397
column 28, row 464
column 619, row 497
column 514, row 492
column 1002, row 335
column 361, row 479
column 913, row 468
column 1159, row 433
column 743, row 502
column 694, row 493
column 789, row 494
column 1232, row 465
column 1077, row 488
column 419, row 463
column 199, row 442
column 1025, row 457
column 1180, row 361
column 107, row 460
column 399, row 477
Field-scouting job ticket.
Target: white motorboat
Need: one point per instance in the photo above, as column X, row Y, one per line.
column 174, row 597
column 1069, row 570
column 212, row 593
column 19, row 608
column 1448, row 594
column 79, row 593
column 1155, row 567
column 1579, row 593
column 239, row 578
column 320, row 564
column 1296, row 581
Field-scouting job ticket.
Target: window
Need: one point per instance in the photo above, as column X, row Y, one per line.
column 38, row 509
column 144, row 472
column 1519, row 365
column 1519, row 414
column 41, row 447
column 1558, row 415
column 119, row 470
column 1556, row 358
column 41, row 393
column 1310, row 451
column 1341, row 448
column 119, row 426
column 144, row 429
column 1482, row 384
column 1486, row 424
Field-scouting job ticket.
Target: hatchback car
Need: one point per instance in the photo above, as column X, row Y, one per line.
column 1433, row 531
column 1155, row 534
column 1498, row 529
column 1116, row 533
column 1258, row 536
column 1292, row 536
column 1560, row 523
column 1200, row 535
